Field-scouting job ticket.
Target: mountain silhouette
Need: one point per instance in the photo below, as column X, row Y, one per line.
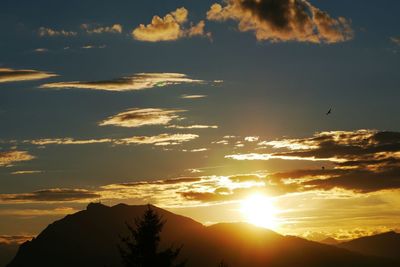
column 90, row 238
column 384, row 245
column 330, row 241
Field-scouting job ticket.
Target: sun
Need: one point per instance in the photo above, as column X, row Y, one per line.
column 260, row 211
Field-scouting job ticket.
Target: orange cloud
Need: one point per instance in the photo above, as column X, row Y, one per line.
column 138, row 81
column 8, row 158
column 284, row 20
column 12, row 75
column 169, row 28
column 158, row 140
column 140, row 117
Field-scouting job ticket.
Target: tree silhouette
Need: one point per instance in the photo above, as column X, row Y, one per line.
column 222, row 264
column 141, row 247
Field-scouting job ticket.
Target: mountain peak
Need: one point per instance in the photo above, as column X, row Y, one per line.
column 96, row 206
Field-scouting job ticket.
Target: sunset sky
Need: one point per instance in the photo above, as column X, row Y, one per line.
column 208, row 109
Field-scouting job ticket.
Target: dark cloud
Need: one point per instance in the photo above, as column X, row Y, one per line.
column 363, row 161
column 283, row 20
column 50, row 195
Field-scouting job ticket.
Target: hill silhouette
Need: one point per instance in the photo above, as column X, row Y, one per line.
column 90, row 238
column 383, row 245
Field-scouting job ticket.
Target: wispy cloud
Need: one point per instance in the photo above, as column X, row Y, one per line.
column 195, row 126
column 140, row 117
column 158, row 140
column 285, row 20
column 169, row 28
column 395, row 40
column 41, row 50
column 50, row 195
column 26, row 172
column 8, row 158
column 193, row 96
column 43, row 31
column 14, row 75
column 90, row 46
column 138, row 81
column 98, row 29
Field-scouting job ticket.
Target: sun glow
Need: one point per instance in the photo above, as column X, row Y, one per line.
column 260, row 211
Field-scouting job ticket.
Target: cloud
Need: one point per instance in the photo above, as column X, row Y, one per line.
column 183, row 192
column 169, row 28
column 395, row 40
column 13, row 75
column 195, row 126
column 26, row 172
column 363, row 160
column 37, row 212
column 192, row 96
column 67, row 141
column 8, row 158
column 96, row 29
column 89, row 46
column 195, row 150
column 14, row 239
column 43, row 31
column 41, row 50
column 138, row 81
column 158, row 140
column 50, row 195
column 251, row 139
column 284, row 20
column 140, row 117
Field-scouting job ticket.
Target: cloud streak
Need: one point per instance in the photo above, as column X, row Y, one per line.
column 44, row 31
column 284, row 20
column 158, row 140
column 13, row 75
column 134, row 82
column 50, row 195
column 9, row 158
column 140, row 117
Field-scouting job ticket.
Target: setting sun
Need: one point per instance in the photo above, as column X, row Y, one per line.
column 259, row 210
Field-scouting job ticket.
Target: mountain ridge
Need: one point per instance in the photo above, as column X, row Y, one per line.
column 90, row 238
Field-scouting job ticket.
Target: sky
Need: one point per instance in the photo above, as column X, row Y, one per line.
column 202, row 107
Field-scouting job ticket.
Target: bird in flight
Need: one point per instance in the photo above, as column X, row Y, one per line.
column 329, row 111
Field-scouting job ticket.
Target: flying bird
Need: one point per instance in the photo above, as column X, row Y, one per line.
column 329, row 111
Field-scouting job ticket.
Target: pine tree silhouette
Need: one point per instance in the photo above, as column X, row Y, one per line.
column 222, row 264
column 141, row 247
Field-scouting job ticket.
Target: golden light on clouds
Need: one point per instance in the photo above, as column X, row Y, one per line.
column 137, row 81
column 169, row 28
column 293, row 20
column 14, row 75
column 140, row 117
